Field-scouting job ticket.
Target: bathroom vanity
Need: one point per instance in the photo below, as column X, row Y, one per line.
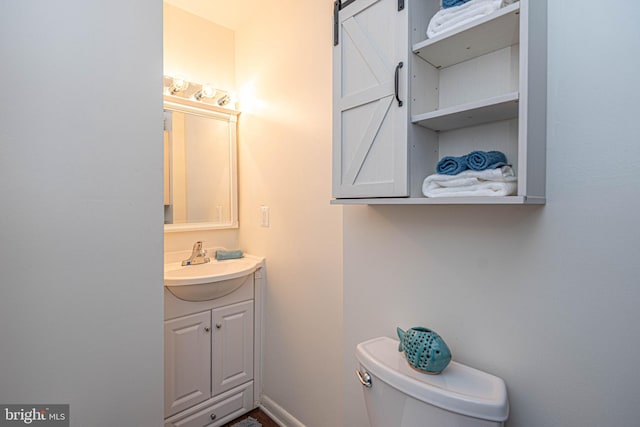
column 212, row 353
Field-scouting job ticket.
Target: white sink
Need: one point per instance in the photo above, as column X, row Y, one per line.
column 208, row 281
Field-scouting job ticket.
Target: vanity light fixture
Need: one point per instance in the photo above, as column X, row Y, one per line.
column 178, row 85
column 206, row 91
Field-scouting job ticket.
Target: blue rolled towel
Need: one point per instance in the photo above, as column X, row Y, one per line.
column 481, row 160
column 222, row 255
column 451, row 165
column 451, row 3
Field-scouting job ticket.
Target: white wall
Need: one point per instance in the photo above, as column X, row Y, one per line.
column 81, row 224
column 200, row 50
column 284, row 53
column 203, row 52
column 545, row 297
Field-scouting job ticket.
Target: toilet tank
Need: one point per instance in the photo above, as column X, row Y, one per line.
column 399, row 396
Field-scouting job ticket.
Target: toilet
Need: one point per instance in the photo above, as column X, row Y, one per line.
column 396, row 395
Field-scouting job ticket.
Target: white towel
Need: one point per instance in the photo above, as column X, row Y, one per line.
column 453, row 17
column 490, row 182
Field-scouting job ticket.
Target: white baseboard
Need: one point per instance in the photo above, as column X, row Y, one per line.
column 278, row 414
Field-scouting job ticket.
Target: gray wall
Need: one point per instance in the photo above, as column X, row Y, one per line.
column 544, row 297
column 81, row 223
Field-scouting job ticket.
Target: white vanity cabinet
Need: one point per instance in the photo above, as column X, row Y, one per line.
column 481, row 86
column 212, row 353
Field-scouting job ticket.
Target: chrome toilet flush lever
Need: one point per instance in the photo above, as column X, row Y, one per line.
column 198, row 255
column 364, row 377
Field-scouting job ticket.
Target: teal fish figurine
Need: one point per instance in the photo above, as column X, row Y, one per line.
column 424, row 349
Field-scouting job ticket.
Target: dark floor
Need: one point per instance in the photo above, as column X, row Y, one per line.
column 256, row 414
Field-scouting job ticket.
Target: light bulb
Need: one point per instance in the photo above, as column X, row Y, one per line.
column 207, row 91
column 178, row 85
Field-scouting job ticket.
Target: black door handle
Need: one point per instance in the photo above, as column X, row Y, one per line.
column 397, row 82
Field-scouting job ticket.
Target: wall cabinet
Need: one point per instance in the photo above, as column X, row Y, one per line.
column 403, row 101
column 210, row 358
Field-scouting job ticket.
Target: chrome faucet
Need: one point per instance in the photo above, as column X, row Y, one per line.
column 198, row 255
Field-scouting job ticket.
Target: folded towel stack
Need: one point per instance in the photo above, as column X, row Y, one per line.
column 479, row 173
column 450, row 18
column 222, row 255
column 489, row 182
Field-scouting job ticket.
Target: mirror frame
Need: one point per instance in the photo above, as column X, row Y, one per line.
column 183, row 105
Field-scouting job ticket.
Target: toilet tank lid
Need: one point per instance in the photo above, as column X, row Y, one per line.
column 459, row 388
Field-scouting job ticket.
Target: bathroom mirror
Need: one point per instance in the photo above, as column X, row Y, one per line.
column 200, row 166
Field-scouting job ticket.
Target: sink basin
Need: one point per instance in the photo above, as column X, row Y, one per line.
column 208, row 281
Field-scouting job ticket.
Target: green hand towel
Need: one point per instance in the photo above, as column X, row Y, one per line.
column 222, row 255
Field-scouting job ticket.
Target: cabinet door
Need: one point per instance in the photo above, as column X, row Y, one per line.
column 187, row 362
column 232, row 351
column 369, row 124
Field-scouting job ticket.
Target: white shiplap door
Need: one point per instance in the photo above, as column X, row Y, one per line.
column 369, row 125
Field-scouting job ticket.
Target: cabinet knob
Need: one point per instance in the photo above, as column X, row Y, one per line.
column 212, row 416
column 207, row 329
column 218, row 325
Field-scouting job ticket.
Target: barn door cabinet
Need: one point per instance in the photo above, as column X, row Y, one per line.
column 402, row 101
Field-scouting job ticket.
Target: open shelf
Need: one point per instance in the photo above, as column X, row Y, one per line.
column 480, row 200
column 487, row 34
column 497, row 108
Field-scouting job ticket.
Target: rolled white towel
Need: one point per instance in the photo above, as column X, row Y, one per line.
column 490, row 182
column 453, row 17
